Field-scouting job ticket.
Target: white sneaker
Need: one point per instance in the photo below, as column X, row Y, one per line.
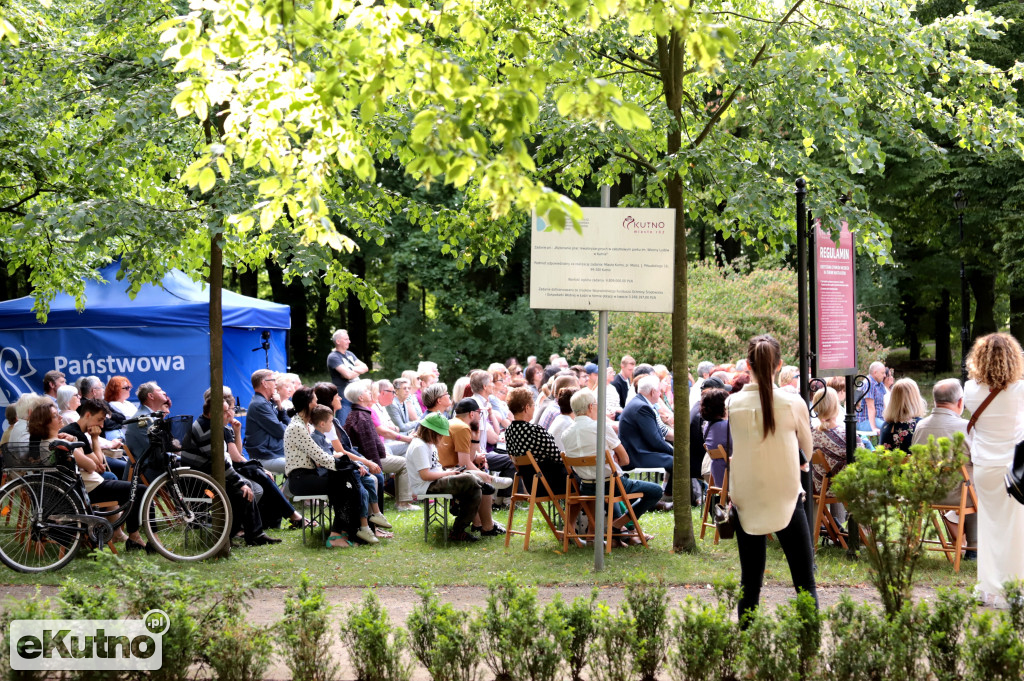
column 367, row 535
column 407, row 507
column 379, row 520
column 501, row 483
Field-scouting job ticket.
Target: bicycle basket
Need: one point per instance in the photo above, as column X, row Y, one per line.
column 28, row 456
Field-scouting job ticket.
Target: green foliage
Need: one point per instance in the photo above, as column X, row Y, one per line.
column 546, row 655
column 613, row 651
column 444, row 640
column 578, row 618
column 1014, row 593
column 704, row 642
column 726, row 309
column 377, row 650
column 889, row 492
column 866, row 647
column 510, row 619
column 647, row 602
column 306, row 633
column 944, row 631
column 993, row 649
column 783, row 645
column 37, row 608
column 239, row 651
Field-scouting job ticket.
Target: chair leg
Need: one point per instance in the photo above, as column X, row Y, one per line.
column 704, row 515
column 511, row 515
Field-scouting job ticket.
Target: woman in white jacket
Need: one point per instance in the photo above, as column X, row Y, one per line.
column 995, row 365
column 769, row 427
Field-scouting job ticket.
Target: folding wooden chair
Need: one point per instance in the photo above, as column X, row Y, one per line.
column 714, row 493
column 539, row 496
column 949, row 542
column 822, row 499
column 616, row 492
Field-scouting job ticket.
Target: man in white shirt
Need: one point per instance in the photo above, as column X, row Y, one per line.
column 611, row 398
column 396, row 442
column 580, row 440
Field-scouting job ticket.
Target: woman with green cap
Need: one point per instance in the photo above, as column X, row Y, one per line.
column 427, row 476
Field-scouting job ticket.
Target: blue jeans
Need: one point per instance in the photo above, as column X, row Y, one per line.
column 865, row 426
column 118, row 467
column 367, row 494
column 652, row 493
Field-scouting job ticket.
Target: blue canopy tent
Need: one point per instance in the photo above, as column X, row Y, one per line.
column 162, row 335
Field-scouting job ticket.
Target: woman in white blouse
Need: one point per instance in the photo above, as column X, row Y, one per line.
column 769, row 426
column 311, row 471
column 995, row 364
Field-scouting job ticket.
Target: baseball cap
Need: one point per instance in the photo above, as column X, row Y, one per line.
column 591, row 368
column 466, row 406
column 436, row 422
column 710, row 383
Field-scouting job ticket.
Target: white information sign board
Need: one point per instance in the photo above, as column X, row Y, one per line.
column 622, row 260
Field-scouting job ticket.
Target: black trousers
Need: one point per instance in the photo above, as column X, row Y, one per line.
column 341, row 490
column 246, row 514
column 274, row 507
column 119, row 491
column 795, row 540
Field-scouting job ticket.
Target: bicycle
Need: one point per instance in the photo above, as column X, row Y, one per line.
column 45, row 512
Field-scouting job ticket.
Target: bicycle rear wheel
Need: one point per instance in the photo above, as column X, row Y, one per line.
column 187, row 517
column 29, row 540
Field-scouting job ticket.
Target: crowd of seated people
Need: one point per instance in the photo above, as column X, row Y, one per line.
column 356, row 440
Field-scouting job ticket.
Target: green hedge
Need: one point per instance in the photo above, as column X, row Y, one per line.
column 726, row 308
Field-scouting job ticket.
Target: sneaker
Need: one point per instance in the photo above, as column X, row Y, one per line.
column 495, row 531
column 487, row 489
column 367, row 535
column 462, row 535
column 407, row 507
column 501, row 483
column 379, row 520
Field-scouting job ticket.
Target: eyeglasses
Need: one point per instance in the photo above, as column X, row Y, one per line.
column 270, row 380
column 126, row 387
column 387, row 391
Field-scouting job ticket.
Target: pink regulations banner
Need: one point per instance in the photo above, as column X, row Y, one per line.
column 836, row 302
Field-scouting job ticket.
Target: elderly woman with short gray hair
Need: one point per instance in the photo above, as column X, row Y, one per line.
column 363, row 432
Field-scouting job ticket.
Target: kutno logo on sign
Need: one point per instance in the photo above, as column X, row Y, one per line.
column 631, row 224
column 93, row 645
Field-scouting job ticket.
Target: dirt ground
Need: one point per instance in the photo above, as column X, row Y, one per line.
column 268, row 605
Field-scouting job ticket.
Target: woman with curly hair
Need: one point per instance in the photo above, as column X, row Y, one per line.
column 995, row 365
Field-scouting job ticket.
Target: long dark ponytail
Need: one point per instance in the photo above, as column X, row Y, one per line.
column 764, row 355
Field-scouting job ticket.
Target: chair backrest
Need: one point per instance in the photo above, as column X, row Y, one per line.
column 818, row 459
column 718, row 453
column 526, row 461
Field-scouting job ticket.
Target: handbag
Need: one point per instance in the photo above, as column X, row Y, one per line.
column 1015, row 474
column 724, row 513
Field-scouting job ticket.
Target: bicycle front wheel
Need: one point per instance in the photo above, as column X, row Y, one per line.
column 33, row 535
column 186, row 515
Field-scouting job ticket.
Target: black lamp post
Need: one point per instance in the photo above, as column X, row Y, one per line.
column 960, row 203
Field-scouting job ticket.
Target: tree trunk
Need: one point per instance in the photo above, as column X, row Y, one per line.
column 909, row 314
column 301, row 353
column 671, row 53
column 248, row 283
column 983, row 286
column 943, row 352
column 357, row 327
column 1017, row 315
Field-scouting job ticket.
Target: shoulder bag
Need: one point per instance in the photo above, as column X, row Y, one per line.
column 726, row 518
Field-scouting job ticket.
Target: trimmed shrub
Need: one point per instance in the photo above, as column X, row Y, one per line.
column 578, row 618
column 704, row 643
column 889, row 493
column 376, row 648
column 993, row 651
column 240, row 651
column 725, row 309
column 944, row 631
column 37, row 608
column 306, row 633
column 614, row 646
column 784, row 646
column 647, row 602
column 444, row 640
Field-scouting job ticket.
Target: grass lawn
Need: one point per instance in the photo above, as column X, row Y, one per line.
column 407, row 561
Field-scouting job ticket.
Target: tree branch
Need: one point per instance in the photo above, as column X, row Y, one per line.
column 638, row 162
column 732, row 95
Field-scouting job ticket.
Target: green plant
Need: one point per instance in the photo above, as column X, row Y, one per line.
column 784, row 645
column 444, row 639
column 239, row 651
column 859, row 637
column 509, row 620
column 944, row 631
column 36, row 608
column 704, row 642
column 78, row 600
column 376, row 648
column 1014, row 594
column 306, row 634
column 889, row 493
column 578, row 618
column 647, row 602
column 613, row 650
column 546, row 652
column 992, row 650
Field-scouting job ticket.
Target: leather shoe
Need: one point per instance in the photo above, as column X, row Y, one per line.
column 262, row 540
column 663, row 506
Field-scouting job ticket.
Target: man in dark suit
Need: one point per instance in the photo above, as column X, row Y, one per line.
column 640, row 435
column 622, row 379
